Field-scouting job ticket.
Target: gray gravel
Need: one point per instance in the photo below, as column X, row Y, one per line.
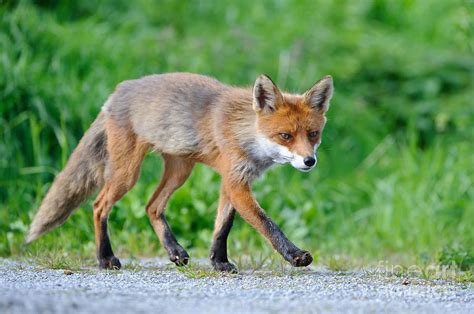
column 156, row 287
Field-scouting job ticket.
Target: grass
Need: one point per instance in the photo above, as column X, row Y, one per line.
column 395, row 177
column 56, row 259
column 266, row 266
column 433, row 272
column 193, row 271
column 339, row 263
column 464, row 260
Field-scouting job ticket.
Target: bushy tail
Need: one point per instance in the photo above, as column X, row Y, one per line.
column 84, row 172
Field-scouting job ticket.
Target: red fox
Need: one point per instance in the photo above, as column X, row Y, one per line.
column 188, row 119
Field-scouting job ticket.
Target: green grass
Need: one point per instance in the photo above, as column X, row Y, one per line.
column 193, row 271
column 57, row 259
column 395, row 178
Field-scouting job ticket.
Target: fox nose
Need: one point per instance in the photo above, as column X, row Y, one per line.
column 309, row 161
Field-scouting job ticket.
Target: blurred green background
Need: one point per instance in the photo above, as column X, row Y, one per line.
column 395, row 175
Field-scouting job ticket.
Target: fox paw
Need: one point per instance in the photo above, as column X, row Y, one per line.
column 301, row 258
column 225, row 267
column 179, row 257
column 110, row 262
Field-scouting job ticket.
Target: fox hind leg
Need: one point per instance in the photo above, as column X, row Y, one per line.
column 176, row 172
column 126, row 153
column 222, row 226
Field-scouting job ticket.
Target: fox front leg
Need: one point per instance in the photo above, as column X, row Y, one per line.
column 243, row 201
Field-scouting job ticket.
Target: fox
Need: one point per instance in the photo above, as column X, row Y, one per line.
column 187, row 118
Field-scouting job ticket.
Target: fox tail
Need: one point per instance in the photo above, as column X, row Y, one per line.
column 84, row 172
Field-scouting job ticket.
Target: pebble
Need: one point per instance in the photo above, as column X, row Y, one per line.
column 156, row 287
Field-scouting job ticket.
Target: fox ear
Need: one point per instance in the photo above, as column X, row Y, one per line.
column 266, row 96
column 320, row 94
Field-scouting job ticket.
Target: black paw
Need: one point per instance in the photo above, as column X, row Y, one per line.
column 110, row 262
column 225, row 267
column 301, row 258
column 180, row 257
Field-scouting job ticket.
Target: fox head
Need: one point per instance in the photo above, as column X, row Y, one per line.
column 289, row 127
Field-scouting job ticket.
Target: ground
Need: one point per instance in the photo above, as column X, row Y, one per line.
column 153, row 285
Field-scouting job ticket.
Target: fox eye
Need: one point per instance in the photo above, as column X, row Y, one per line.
column 286, row 136
column 313, row 133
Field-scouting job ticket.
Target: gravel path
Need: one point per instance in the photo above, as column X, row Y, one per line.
column 155, row 287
